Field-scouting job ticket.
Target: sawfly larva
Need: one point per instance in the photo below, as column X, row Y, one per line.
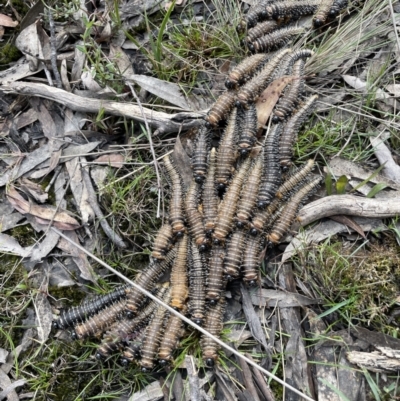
column 233, row 256
column 291, row 9
column 199, row 158
column 214, row 325
column 271, row 177
column 215, row 279
column 228, row 206
column 179, row 275
column 274, row 40
column 251, row 260
column 252, row 89
column 175, row 204
column 260, row 30
column 290, row 210
column 291, row 128
column 247, row 129
column 226, row 155
column 221, row 108
column 210, row 196
column 162, row 242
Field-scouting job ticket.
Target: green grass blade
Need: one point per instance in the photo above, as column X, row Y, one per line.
column 336, row 307
column 341, row 185
column 374, row 388
column 328, row 184
column 375, row 189
column 371, row 177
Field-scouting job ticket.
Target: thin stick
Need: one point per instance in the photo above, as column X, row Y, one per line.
column 149, row 134
column 53, row 54
column 185, row 319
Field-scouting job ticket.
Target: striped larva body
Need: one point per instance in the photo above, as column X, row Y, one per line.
column 248, row 194
column 228, row 206
column 197, row 289
column 123, row 330
column 215, row 279
column 162, row 242
column 255, row 14
column 294, row 179
column 290, row 99
column 286, row 66
column 291, row 9
column 80, row 313
column 174, row 331
column 199, row 158
column 233, row 256
column 147, row 279
column 153, row 336
column 226, row 155
column 274, row 40
column 194, row 217
column 244, row 70
column 176, row 218
column 271, row 177
column 210, row 196
column 247, row 129
column 250, row 91
column 290, row 210
column 132, row 351
column 179, row 275
column 290, row 131
column 97, row 323
column 260, row 219
column 214, row 325
column 322, row 12
column 251, row 260
column 221, row 108
column 260, row 30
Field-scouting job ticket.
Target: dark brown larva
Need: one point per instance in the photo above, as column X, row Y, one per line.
column 215, row 279
column 176, row 202
column 97, row 323
column 322, row 12
column 248, row 194
column 174, row 331
column 153, row 336
column 260, row 30
column 291, row 129
column 162, row 242
column 80, row 313
column 247, row 129
column 285, row 67
column 226, row 155
column 290, row 210
column 251, row 260
column 197, row 289
column 260, row 219
column 256, row 13
column 292, row 94
column 274, row 40
column 291, row 9
column 210, row 196
column 271, row 177
column 228, row 206
column 199, row 158
column 124, row 329
column 147, row 279
column 294, row 179
column 214, row 325
column 221, row 108
column 250, row 91
column 179, row 275
column 233, row 256
column 194, row 217
column 244, row 70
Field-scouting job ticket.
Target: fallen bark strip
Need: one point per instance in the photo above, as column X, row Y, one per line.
column 348, row 205
column 162, row 122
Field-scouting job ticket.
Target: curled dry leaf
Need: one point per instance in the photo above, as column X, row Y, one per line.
column 269, row 98
column 113, row 160
column 43, row 214
column 391, row 170
column 5, row 20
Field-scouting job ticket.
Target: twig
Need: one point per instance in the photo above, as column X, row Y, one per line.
column 193, row 377
column 248, row 379
column 114, row 237
column 184, row 318
column 166, row 123
column 153, row 153
column 53, row 47
column 266, row 391
column 350, row 205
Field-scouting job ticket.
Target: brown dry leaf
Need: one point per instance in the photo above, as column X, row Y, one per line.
column 5, row 20
column 348, row 221
column 269, row 98
column 113, row 160
column 43, row 214
column 33, row 189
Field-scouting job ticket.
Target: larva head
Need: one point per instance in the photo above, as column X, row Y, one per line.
column 130, row 314
column 124, row 361
column 163, row 362
column 229, row 84
column 55, row 325
column 213, row 302
column 251, row 283
column 221, row 186
column 317, row 22
column 251, row 47
column 254, row 231
column 203, row 247
column 147, row 365
column 240, row 224
column 244, row 151
column 262, row 204
column 99, row 356
column 211, row 121
column 198, row 320
column 199, row 178
column 276, row 119
column 74, row 335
